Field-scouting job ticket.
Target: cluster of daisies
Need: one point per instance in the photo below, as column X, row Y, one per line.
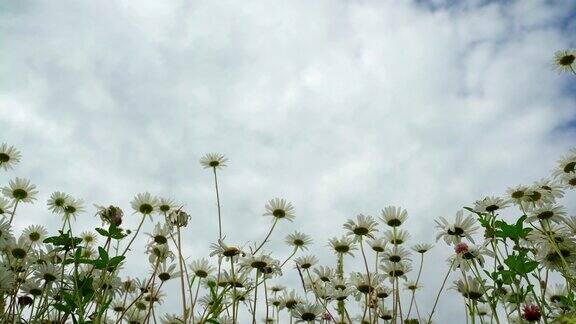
column 523, row 271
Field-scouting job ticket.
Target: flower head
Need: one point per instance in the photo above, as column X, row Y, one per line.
column 531, row 313
column 144, row 203
column 20, row 190
column 462, row 227
column 394, row 216
column 563, row 60
column 9, row 156
column 362, row 226
column 213, row 160
column 298, row 240
column 280, row 209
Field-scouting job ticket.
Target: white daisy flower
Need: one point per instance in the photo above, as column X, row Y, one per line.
column 213, row 160
column 394, row 216
column 165, row 273
column 412, row 285
column 144, row 203
column 225, row 251
column 9, row 156
column 377, row 244
column 395, row 269
column 57, row 201
column 291, row 300
column 547, row 212
column 307, row 312
column 462, row 227
column 280, row 209
column 556, row 293
column 566, row 164
column 553, row 189
column 490, row 204
column 342, row 245
column 397, row 237
column 89, row 238
column 5, row 207
column 160, row 234
column 324, row 273
column 564, row 60
column 35, row 234
column 20, row 190
column 362, row 226
column 306, row 262
column 470, row 287
column 298, row 240
column 166, row 205
column 396, row 254
column 422, row 247
column 73, row 207
column 201, row 268
column 555, row 257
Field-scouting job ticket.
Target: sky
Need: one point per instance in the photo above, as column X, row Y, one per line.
column 341, row 107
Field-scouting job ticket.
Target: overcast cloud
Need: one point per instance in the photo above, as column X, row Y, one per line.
column 342, row 107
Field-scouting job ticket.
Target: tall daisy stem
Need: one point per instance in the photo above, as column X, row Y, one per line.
column 267, row 236
column 440, row 291
column 134, row 236
column 218, row 204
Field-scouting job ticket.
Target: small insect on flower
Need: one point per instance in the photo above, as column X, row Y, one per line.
column 213, row 160
column 279, row 209
column 20, row 190
column 298, row 240
column 394, row 216
column 144, row 203
column 9, row 156
column 563, row 61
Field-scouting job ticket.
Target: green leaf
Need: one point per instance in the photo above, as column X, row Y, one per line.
column 103, row 254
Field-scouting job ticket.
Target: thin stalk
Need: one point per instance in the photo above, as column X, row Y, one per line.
column 267, row 236
column 440, row 291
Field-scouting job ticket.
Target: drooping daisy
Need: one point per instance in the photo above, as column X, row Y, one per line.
column 342, row 245
column 144, row 203
column 383, row 292
column 397, row 237
column 365, row 284
column 384, row 312
column 422, row 247
column 35, row 234
column 470, row 287
column 161, row 233
column 307, row 312
column 213, row 160
column 306, row 262
column 298, row 240
column 201, row 268
column 547, row 212
column 57, row 201
column 564, row 60
column 291, row 300
column 178, row 218
column 394, row 216
column 9, row 156
column 452, row 233
column 159, row 253
column 362, row 226
column 20, row 190
column 280, row 209
column 490, row 204
column 484, row 310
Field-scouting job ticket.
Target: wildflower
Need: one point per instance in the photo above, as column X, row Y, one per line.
column 461, row 248
column 7, row 279
column 179, row 218
column 412, row 285
column 277, row 288
column 556, row 293
column 363, row 226
column 20, row 190
column 298, row 240
column 307, row 312
column 9, row 156
column 394, row 216
column 343, row 245
column 462, row 227
column 144, row 203
column 518, row 195
column 47, row 272
column 324, row 273
column 549, row 212
column 159, row 253
column 397, row 237
column 566, row 164
column 213, row 160
column 19, row 249
column 531, row 313
column 466, row 254
column 280, row 209
column 33, row 287
column 555, row 257
column 201, row 268
column 89, row 238
column 110, row 215
column 422, row 247
column 223, row 250
column 166, row 273
column 35, row 234
column 175, row 319
column 365, row 284
column 484, row 310
column 166, row 205
column 551, row 188
column 306, row 262
column 290, row 300
column 256, row 261
column 73, row 207
column 469, row 287
column 384, row 313
column 383, row 292
column 563, row 61
column 160, row 234
column 5, row 206
column 490, row 204
column 377, row 244
column 396, row 254
column 396, row 269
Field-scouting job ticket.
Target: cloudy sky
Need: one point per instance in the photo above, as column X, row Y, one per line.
column 342, row 107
